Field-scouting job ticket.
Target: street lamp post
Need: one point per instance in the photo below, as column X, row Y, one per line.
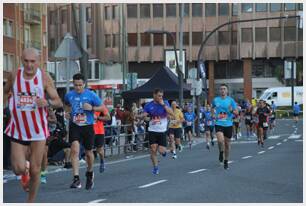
column 200, row 62
column 178, row 70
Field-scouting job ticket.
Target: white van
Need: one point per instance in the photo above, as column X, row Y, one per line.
column 282, row 95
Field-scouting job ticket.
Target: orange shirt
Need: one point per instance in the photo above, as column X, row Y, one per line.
column 99, row 125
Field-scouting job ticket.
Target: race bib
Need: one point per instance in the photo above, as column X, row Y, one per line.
column 222, row 116
column 265, row 124
column 189, row 123
column 156, row 121
column 80, row 119
column 248, row 117
column 26, row 101
column 173, row 122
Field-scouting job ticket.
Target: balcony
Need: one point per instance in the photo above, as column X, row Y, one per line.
column 33, row 44
column 32, row 16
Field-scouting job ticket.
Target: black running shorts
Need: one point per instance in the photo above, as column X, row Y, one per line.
column 227, row 131
column 99, row 140
column 177, row 132
column 158, row 138
column 188, row 129
column 84, row 134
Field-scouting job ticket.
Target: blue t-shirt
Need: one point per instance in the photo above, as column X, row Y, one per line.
column 273, row 107
column 224, row 117
column 158, row 114
column 75, row 100
column 189, row 117
column 296, row 109
column 209, row 120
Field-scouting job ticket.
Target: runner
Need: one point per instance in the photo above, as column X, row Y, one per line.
column 236, row 125
column 225, row 106
column 272, row 118
column 82, row 103
column 175, row 129
column 157, row 109
column 209, row 125
column 190, row 118
column 248, row 120
column 100, row 118
column 262, row 112
column 296, row 112
column 28, row 126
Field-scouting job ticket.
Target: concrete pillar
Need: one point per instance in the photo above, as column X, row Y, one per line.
column 211, row 80
column 247, row 78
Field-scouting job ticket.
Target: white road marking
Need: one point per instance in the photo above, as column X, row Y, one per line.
column 97, row 201
column 196, row 171
column 274, row 137
column 229, row 162
column 153, row 183
column 298, row 140
column 279, row 143
column 246, row 157
column 243, row 142
column 294, row 136
column 285, row 140
column 261, row 152
column 271, row 147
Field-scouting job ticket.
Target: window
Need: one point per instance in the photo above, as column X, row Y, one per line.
column 300, row 34
column 52, row 44
column 8, row 28
column 115, row 40
column 197, row 10
column 211, row 41
column 169, row 39
column 5, row 62
column 275, row 7
column 261, row 7
column 64, row 16
column 45, row 39
column 89, row 41
column 158, row 10
column 132, row 11
column 185, row 38
column 234, row 37
column 197, row 38
column 132, row 39
column 289, row 33
column 234, row 9
column 246, row 8
column 107, row 12
column 52, row 17
column 260, row 34
column 145, row 11
column 300, row 7
column 224, row 37
column 158, row 39
column 223, row 9
column 170, row 10
column 108, row 38
column 290, row 7
column 145, row 39
column 88, row 14
column 8, row 62
column 186, row 10
column 115, row 12
column 210, row 9
column 97, row 70
column 246, row 34
column 275, row 34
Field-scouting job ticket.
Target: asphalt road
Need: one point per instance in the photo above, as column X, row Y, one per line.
column 273, row 174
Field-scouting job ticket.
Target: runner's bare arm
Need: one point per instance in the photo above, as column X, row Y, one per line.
column 106, row 115
column 55, row 100
column 169, row 111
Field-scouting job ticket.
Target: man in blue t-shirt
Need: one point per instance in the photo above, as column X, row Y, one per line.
column 81, row 104
column 296, row 112
column 190, row 118
column 158, row 111
column 209, row 123
column 225, row 107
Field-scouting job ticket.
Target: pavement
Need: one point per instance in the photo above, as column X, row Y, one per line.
column 272, row 174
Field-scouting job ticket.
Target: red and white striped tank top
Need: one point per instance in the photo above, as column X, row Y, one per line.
column 28, row 122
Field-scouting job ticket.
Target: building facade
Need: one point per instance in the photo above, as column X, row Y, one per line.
column 24, row 26
column 249, row 56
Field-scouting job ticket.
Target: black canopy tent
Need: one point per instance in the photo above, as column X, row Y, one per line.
column 165, row 79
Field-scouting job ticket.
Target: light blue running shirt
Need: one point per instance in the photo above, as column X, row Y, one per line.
column 223, row 113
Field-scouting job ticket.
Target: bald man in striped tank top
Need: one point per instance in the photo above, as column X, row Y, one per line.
column 26, row 90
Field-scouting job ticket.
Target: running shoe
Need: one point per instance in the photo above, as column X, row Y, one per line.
column 155, row 170
column 262, row 144
column 174, row 156
column 207, row 146
column 43, row 178
column 164, row 154
column 221, row 157
column 68, row 165
column 89, row 180
column 76, row 183
column 25, row 178
column 102, row 167
column 225, row 164
column 180, row 148
column 212, row 143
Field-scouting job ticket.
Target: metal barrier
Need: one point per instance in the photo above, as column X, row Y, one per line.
column 120, row 139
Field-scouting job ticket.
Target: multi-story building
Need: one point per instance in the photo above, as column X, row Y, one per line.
column 24, row 25
column 248, row 56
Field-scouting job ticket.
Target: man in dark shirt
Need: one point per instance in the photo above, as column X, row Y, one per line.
column 263, row 113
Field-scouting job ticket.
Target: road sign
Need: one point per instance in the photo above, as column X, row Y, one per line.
column 196, row 87
column 192, row 73
column 131, row 81
column 68, row 48
column 287, row 69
